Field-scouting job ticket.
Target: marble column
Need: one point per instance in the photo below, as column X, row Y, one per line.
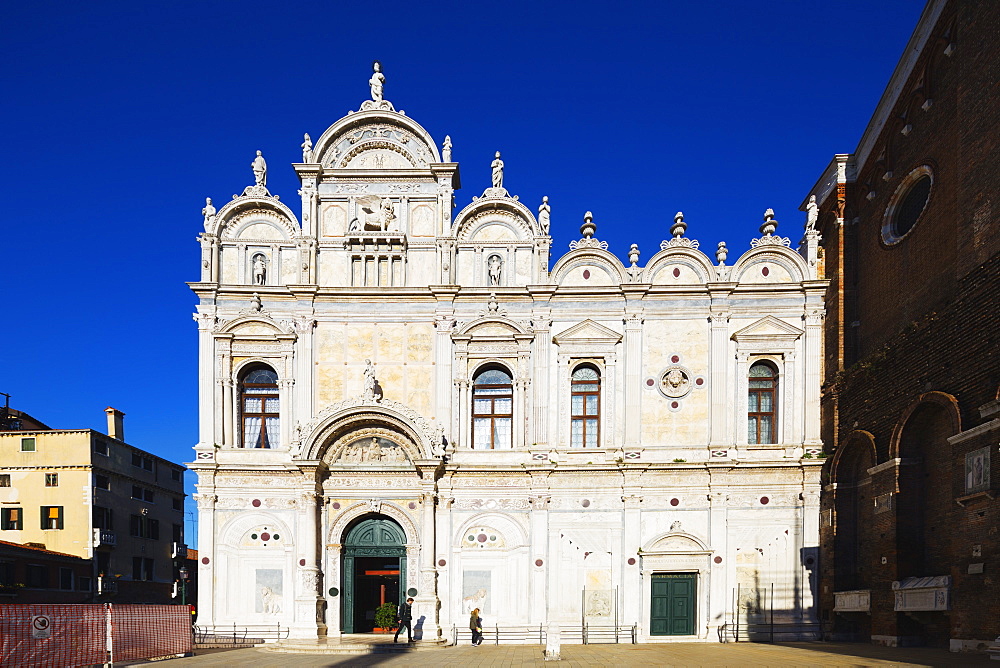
column 633, row 379
column 333, row 603
column 631, row 576
column 206, row 557
column 307, row 622
column 718, row 364
column 539, row 520
column 426, row 603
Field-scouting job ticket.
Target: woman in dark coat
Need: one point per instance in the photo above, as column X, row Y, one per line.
column 476, row 626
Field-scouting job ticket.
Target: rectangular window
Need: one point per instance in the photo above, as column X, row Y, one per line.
column 147, row 495
column 136, row 459
column 147, row 463
column 52, row 517
column 51, row 479
column 66, row 579
column 6, row 573
column 102, row 482
column 37, row 576
column 4, row 480
column 104, row 518
column 11, row 519
column 178, row 504
column 143, row 527
column 137, row 492
column 142, row 568
column 101, row 447
column 175, row 475
column 27, row 445
column 178, row 533
column 83, row 583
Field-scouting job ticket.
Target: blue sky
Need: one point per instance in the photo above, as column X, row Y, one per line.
column 118, row 119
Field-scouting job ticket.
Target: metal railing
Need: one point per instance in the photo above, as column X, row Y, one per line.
column 239, row 635
column 525, row 635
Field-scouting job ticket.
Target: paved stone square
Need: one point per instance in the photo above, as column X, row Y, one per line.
column 673, row 654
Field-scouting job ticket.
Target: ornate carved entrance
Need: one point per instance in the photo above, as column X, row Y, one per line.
column 374, row 568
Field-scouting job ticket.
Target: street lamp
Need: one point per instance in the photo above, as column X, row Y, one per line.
column 184, row 576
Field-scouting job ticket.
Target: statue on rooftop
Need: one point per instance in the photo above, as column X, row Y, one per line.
column 543, row 214
column 377, row 81
column 446, row 149
column 307, row 149
column 209, row 211
column 497, row 166
column 812, row 213
column 259, row 168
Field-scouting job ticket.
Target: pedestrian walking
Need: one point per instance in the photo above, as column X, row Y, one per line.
column 405, row 619
column 476, row 626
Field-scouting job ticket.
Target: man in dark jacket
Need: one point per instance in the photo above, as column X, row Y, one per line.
column 405, row 619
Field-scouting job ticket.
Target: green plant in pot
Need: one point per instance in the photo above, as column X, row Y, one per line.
column 385, row 616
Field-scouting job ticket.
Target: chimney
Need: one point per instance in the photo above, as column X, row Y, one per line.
column 116, row 423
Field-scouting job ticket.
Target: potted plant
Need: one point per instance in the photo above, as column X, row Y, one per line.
column 385, row 618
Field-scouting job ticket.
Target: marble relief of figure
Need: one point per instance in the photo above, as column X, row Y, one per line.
column 259, row 167
column 497, row 166
column 377, row 81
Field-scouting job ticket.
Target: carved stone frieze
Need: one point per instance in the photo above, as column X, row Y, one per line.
column 371, row 482
column 423, row 426
column 492, row 504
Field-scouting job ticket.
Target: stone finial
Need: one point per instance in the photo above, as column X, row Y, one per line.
column 588, row 229
column 722, row 253
column 307, row 148
column 770, row 224
column 255, row 304
column 679, row 226
column 446, row 149
column 633, row 254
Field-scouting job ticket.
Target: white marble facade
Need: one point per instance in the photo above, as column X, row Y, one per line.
column 376, row 309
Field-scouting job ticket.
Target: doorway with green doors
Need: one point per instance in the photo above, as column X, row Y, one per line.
column 672, row 604
column 373, row 571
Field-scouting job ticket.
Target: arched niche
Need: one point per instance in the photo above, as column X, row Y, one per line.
column 356, row 140
column 588, row 267
column 678, row 266
column 768, row 264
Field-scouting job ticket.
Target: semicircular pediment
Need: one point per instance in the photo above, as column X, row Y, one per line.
column 495, row 220
column 376, row 140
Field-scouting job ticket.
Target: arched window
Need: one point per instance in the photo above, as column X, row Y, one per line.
column 762, row 412
column 492, row 410
column 259, row 408
column 585, row 397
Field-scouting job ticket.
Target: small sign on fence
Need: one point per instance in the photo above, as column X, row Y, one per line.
column 41, row 626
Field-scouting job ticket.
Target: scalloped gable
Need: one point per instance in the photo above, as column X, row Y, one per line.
column 587, row 332
column 768, row 328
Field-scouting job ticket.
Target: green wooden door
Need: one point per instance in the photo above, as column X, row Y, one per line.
column 376, row 536
column 672, row 604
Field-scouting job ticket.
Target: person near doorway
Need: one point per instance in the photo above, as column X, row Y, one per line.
column 476, row 626
column 405, row 619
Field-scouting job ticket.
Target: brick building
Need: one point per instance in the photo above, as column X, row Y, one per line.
column 909, row 533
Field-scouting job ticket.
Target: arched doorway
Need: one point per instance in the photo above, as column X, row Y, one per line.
column 374, row 556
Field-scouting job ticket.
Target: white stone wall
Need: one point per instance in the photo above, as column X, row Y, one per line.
column 378, row 270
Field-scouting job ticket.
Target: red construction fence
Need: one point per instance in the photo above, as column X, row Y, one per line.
column 83, row 635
